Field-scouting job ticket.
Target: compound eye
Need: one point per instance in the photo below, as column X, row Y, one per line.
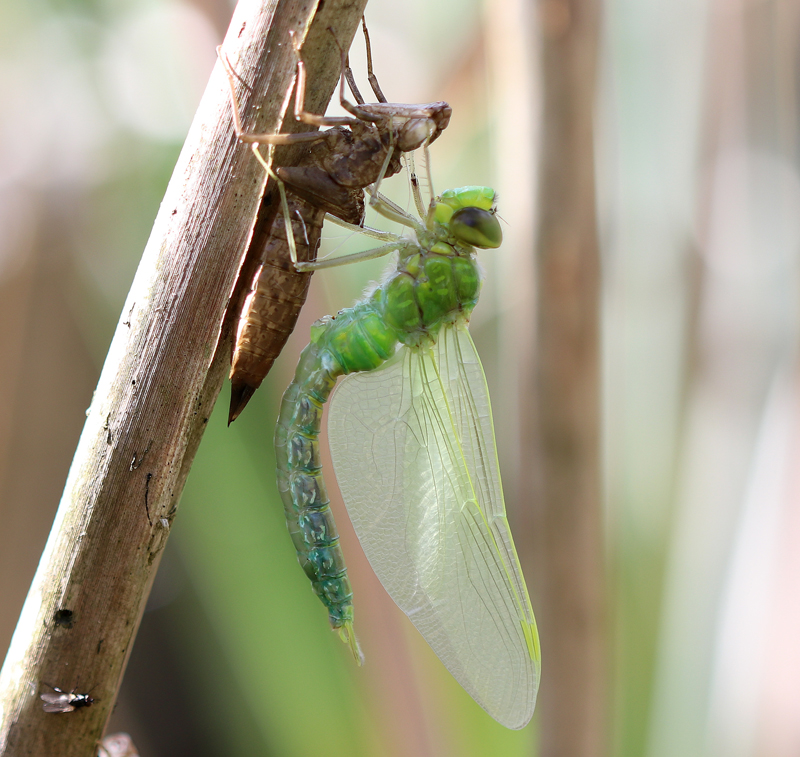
column 477, row 227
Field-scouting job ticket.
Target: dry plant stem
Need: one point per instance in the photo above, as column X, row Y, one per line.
column 162, row 375
column 568, row 529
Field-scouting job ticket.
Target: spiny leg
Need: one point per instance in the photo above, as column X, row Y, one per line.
column 301, row 114
column 271, row 139
column 277, row 139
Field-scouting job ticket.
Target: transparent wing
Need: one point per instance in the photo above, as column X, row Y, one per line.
column 56, row 703
column 415, row 456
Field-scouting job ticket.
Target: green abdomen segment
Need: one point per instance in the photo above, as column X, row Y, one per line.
column 429, row 290
column 302, row 488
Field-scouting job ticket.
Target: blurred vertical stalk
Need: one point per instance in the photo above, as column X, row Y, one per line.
column 727, row 564
column 161, row 378
column 568, row 524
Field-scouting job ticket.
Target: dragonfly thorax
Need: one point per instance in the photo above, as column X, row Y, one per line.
column 434, row 287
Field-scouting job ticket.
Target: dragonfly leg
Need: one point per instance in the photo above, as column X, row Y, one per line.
column 254, row 138
column 416, row 189
column 368, row 231
column 300, row 113
column 351, row 80
column 287, row 218
column 376, row 88
column 357, row 257
column 362, row 114
column 373, row 80
column 392, row 211
column 386, row 161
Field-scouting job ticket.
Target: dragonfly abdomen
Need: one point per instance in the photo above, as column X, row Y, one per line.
column 302, row 488
column 272, row 308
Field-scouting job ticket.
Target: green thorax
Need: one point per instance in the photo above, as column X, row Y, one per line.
column 437, row 282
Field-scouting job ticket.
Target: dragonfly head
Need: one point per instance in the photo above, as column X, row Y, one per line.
column 470, row 215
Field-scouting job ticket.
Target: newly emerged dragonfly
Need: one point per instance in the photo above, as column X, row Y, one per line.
column 413, row 447
column 64, row 701
column 357, row 152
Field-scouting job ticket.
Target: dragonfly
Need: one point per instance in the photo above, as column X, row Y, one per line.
column 358, row 151
column 413, row 447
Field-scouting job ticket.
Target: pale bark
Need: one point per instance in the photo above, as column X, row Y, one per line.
column 161, row 378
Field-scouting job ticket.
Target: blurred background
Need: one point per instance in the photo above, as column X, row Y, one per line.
column 698, row 200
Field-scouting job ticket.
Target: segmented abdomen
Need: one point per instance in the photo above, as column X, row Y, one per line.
column 302, row 489
column 360, row 338
column 271, row 309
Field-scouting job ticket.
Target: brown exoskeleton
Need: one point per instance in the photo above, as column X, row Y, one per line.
column 358, row 152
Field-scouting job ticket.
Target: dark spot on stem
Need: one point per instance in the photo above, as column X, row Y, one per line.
column 146, row 495
column 64, row 618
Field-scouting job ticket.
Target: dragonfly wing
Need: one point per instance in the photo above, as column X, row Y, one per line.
column 414, row 452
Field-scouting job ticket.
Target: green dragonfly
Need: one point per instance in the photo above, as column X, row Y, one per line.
column 413, row 447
